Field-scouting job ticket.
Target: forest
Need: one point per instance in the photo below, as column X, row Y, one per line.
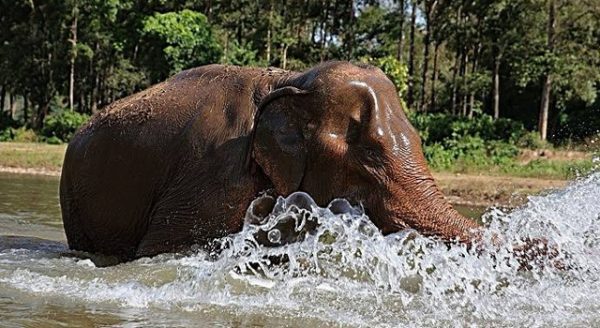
column 531, row 65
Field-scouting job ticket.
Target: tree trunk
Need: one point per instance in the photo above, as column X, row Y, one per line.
column 473, row 70
column 547, row 79
column 323, row 29
column 13, row 109
column 411, row 54
column 543, row 121
column 25, row 108
column 208, row 10
column 496, row 93
column 429, row 10
column 81, row 102
column 2, row 99
column 435, row 75
column 42, row 113
column 426, row 42
column 269, row 35
column 351, row 32
column 455, row 70
column 226, row 48
column 12, row 104
column 73, row 42
column 463, row 73
column 400, row 49
column 94, row 95
column 284, row 56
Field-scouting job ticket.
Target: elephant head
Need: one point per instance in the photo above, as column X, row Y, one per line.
column 338, row 131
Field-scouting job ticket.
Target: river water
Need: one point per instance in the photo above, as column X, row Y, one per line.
column 341, row 273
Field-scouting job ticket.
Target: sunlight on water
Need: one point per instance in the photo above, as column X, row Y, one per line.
column 331, row 265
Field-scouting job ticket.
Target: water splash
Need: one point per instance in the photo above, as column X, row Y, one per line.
column 305, row 262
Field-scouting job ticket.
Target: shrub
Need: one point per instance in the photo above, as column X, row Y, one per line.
column 532, row 140
column 501, row 152
column 439, row 127
column 7, row 126
column 396, row 71
column 53, row 140
column 62, row 125
column 24, row 134
column 438, row 157
column 7, row 134
column 478, row 142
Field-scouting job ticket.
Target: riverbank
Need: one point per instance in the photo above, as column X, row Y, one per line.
column 31, row 158
column 471, row 188
column 488, row 190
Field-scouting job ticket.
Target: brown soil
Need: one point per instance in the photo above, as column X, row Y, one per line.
column 528, row 155
column 30, row 171
column 482, row 190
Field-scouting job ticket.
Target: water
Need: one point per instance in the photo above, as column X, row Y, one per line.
column 336, row 270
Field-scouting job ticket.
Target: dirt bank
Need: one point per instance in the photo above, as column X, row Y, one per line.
column 30, row 171
column 484, row 190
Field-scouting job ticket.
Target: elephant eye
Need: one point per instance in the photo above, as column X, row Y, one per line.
column 353, row 132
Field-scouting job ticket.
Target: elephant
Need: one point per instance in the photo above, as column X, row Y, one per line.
column 176, row 166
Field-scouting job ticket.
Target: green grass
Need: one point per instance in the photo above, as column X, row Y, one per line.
column 32, row 155
column 543, row 169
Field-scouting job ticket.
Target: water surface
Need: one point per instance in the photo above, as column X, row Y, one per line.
column 343, row 273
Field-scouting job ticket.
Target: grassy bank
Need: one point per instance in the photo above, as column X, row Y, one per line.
column 556, row 165
column 32, row 155
column 552, row 169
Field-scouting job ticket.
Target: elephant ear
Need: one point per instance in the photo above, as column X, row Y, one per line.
column 278, row 145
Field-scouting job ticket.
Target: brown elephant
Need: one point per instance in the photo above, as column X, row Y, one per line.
column 178, row 164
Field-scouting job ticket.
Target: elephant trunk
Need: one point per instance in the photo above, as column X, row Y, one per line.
column 418, row 203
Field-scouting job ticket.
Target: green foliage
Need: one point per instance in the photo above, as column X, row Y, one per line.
column 24, row 134
column 478, row 142
column 20, row 134
column 240, row 55
column 62, row 125
column 459, row 145
column 179, row 40
column 551, row 169
column 396, row 71
column 532, row 140
column 6, row 134
column 123, row 46
column 440, row 127
column 7, row 126
column 470, row 151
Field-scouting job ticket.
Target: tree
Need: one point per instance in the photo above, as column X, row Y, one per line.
column 430, row 9
column 562, row 57
column 463, row 57
column 547, row 78
column 183, row 39
column 411, row 54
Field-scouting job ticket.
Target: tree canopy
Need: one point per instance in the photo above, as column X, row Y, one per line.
column 534, row 61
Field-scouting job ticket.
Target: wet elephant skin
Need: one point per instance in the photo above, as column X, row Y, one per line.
column 178, row 164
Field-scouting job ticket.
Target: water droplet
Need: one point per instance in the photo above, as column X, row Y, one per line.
column 274, row 236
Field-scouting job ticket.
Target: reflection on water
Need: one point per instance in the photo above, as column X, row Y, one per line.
column 29, row 206
column 471, row 211
column 342, row 272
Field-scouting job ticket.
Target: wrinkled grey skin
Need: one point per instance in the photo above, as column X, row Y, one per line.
column 179, row 163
